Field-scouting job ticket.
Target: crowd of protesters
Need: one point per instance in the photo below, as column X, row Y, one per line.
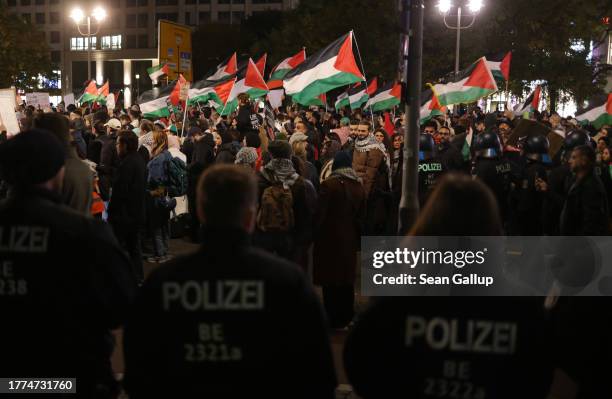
column 307, row 186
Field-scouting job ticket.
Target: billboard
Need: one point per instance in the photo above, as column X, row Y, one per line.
column 174, row 48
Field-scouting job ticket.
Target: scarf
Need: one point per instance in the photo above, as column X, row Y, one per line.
column 280, row 170
column 370, row 143
column 349, row 173
column 146, row 140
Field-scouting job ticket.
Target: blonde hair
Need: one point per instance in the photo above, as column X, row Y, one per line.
column 160, row 142
column 299, row 149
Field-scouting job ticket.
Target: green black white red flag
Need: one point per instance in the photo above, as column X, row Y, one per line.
column 386, row 97
column 283, row 68
column 225, row 69
column 360, row 94
column 334, row 66
column 430, row 106
column 204, row 91
column 499, row 65
column 471, row 85
column 598, row 112
column 531, row 103
column 251, row 83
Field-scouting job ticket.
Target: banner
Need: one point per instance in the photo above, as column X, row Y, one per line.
column 174, row 49
column 38, row 100
column 8, row 118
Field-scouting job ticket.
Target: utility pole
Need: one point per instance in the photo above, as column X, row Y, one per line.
column 412, row 53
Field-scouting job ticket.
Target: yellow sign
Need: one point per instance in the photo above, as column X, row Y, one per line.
column 174, row 48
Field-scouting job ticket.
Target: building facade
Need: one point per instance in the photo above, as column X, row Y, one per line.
column 125, row 42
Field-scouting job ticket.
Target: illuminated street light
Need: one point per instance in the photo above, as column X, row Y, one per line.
column 78, row 15
column 99, row 13
column 444, row 6
column 475, row 5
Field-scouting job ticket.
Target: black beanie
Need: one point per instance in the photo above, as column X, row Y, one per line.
column 31, row 157
column 342, row 160
column 280, row 149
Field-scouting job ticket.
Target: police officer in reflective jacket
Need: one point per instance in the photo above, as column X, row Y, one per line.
column 529, row 201
column 430, row 167
column 493, row 169
column 64, row 281
column 230, row 321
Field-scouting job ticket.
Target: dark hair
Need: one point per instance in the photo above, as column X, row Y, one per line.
column 125, row 118
column 224, row 193
column 56, row 124
column 588, row 152
column 128, row 138
column 354, row 122
column 459, row 206
column 365, row 122
column 235, row 134
column 253, row 140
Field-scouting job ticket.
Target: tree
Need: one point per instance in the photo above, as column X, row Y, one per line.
column 24, row 54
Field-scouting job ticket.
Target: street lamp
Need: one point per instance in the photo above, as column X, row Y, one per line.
column 78, row 16
column 474, row 7
column 137, row 85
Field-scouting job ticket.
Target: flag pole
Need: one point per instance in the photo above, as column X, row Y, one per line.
column 185, row 114
column 364, row 76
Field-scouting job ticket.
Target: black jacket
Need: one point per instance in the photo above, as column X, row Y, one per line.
column 450, row 156
column 226, row 153
column 66, row 283
column 126, row 207
column 229, row 321
column 585, row 211
column 203, row 155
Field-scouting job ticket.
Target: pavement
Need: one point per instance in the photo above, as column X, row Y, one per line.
column 179, row 247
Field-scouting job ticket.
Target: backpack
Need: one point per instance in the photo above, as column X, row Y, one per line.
column 276, row 210
column 177, row 177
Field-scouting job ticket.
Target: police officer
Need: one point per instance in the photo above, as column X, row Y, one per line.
column 231, row 320
column 430, row 167
column 559, row 181
column 64, row 281
column 493, row 169
column 529, row 201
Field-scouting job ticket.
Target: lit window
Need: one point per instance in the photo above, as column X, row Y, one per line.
column 111, row 42
column 80, row 43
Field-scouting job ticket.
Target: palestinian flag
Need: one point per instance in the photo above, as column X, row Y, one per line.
column 321, row 101
column 598, row 113
column 531, row 103
column 251, row 83
column 224, row 69
column 282, row 69
column 331, row 67
column 90, row 94
column 385, row 97
column 155, row 103
column 261, row 64
column 342, row 101
column 430, row 106
column 103, row 93
column 360, row 94
column 204, row 91
column 500, row 66
column 158, row 71
column 472, row 84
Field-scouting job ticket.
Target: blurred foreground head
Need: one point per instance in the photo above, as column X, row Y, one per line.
column 459, row 206
column 33, row 159
column 227, row 198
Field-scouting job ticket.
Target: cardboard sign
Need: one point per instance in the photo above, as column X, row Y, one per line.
column 38, row 100
column 69, row 99
column 8, row 118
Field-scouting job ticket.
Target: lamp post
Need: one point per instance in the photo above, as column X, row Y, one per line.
column 474, row 7
column 79, row 17
column 137, row 84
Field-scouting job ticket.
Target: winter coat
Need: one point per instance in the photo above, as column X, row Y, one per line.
column 338, row 221
column 158, row 170
column 129, row 187
column 226, row 154
column 586, row 208
column 366, row 165
column 78, row 183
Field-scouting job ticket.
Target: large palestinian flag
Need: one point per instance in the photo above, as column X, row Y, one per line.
column 204, row 91
column 531, row 103
column 500, row 66
column 282, row 69
column 331, row 67
column 360, row 94
column 225, row 69
column 430, row 106
column 261, row 64
column 472, row 84
column 90, row 94
column 385, row 97
column 342, row 101
column 321, row 101
column 598, row 113
column 103, row 93
column 251, row 83
column 156, row 103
